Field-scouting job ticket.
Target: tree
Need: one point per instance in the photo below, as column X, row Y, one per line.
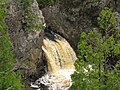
column 9, row 80
column 98, row 64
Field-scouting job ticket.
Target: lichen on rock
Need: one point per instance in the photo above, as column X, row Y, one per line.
column 26, row 44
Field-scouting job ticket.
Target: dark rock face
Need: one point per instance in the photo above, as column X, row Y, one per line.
column 71, row 17
column 26, row 45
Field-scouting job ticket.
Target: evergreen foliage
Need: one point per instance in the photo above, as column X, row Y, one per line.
column 106, row 19
column 98, row 64
column 9, row 80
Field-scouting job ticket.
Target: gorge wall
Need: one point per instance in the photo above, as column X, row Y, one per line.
column 67, row 19
column 70, row 18
column 26, row 42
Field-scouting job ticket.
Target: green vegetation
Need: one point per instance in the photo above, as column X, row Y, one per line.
column 30, row 17
column 9, row 80
column 106, row 19
column 98, row 64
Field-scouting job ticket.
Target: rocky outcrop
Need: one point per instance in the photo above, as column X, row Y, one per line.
column 26, row 44
column 70, row 18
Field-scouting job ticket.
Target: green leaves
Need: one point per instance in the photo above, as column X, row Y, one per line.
column 106, row 18
column 99, row 50
column 8, row 78
column 31, row 18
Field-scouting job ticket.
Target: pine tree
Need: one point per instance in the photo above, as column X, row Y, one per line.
column 97, row 50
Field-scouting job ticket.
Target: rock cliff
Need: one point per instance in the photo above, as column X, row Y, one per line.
column 26, row 42
column 69, row 18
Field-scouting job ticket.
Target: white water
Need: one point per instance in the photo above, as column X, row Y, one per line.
column 60, row 59
column 60, row 81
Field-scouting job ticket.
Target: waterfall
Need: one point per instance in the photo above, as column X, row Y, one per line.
column 59, row 53
column 60, row 61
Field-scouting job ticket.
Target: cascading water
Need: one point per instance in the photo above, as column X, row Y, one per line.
column 60, row 60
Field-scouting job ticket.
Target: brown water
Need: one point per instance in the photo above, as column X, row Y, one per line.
column 60, row 59
column 59, row 54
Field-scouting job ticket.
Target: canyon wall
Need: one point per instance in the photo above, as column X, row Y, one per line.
column 70, row 17
column 26, row 42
